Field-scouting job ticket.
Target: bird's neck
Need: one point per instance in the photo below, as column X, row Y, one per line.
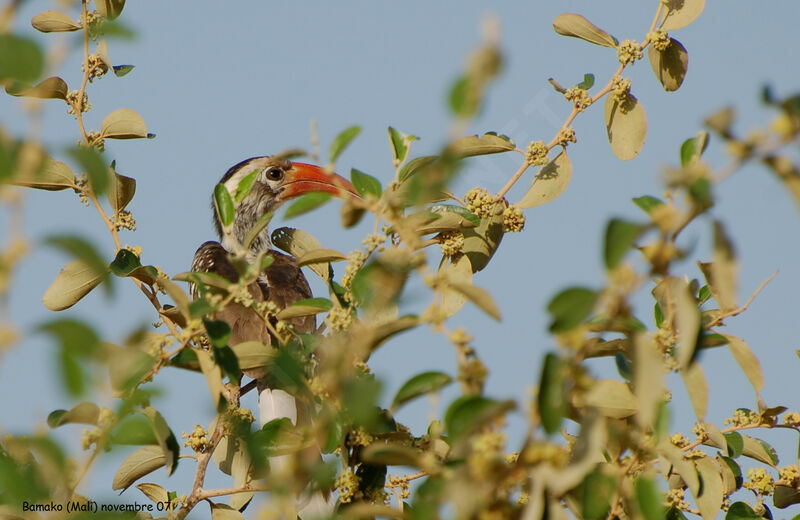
column 241, row 228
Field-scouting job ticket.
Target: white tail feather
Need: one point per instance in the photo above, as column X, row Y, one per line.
column 274, row 404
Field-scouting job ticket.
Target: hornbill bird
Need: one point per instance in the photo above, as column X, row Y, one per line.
column 282, row 282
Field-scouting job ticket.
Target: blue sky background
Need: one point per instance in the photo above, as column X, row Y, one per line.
column 219, row 82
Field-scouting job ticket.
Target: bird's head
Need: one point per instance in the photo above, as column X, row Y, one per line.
column 277, row 180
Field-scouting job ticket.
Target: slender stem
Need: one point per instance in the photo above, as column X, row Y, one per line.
column 203, row 495
column 718, row 319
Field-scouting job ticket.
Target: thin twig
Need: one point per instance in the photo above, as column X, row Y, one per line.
column 716, row 321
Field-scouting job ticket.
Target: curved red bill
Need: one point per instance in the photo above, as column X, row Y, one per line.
column 305, row 178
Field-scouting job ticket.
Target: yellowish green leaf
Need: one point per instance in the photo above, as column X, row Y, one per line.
column 73, row 282
column 486, row 144
column 680, row 13
column 697, row 387
column 252, row 354
column 318, row 256
column 710, row 498
column 83, row 413
column 724, row 270
column 213, row 375
column 50, row 88
column 759, row 450
column 626, row 125
column 54, row 21
column 54, row 176
column 298, row 243
column 747, row 361
column 154, row 492
column 612, row 398
column 123, row 123
column 479, row 297
column 457, row 270
column 480, row 243
column 669, row 65
column 648, row 379
column 550, row 182
column 109, row 9
column 575, row 25
column 138, row 464
column 120, row 191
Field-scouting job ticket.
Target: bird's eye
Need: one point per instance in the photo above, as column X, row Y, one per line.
column 275, row 174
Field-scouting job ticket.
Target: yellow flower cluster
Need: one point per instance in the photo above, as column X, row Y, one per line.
column 622, row 88
column 400, row 485
column 699, row 430
column 580, row 97
column 460, row 336
column 694, row 454
column 451, row 242
column 566, row 136
column 124, row 220
column 267, row 309
column 513, row 219
column 679, row 440
column 759, row 481
column 339, row 318
column 197, row 440
column 347, row 484
column 743, row 418
column 792, row 419
column 480, row 202
column 675, row 499
column 629, row 51
column 487, row 450
column 82, row 181
column 359, row 437
column 546, row 453
column 96, row 140
column 72, row 101
column 96, row 67
column 790, row 474
column 660, row 39
column 355, row 260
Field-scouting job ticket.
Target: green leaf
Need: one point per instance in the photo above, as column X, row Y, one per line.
column 570, row 307
column 620, row 236
column 166, row 439
column 134, row 430
column 253, row 354
column 124, row 70
column 458, row 210
column 138, row 464
column 20, row 59
column 700, row 191
column 735, row 444
column 219, row 332
column 734, row 469
column 342, row 140
column 365, row 184
column 415, row 165
column 81, row 249
column 647, row 203
column 587, row 83
column 399, row 148
column 83, row 413
column 224, row 204
column 658, row 315
column 468, row 413
column 693, row 148
column 649, row 499
column 461, row 102
column 244, row 186
column 92, row 162
column 127, row 366
column 257, row 228
column 785, row 496
column 552, row 404
column 306, row 203
column 741, row 511
column 596, row 492
column 420, row 384
column 125, row 263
